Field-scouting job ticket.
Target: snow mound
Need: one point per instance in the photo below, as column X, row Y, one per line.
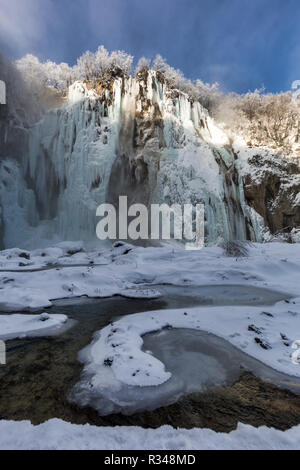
column 23, row 326
column 60, row 435
column 16, row 299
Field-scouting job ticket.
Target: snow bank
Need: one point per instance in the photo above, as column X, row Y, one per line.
column 15, row 299
column 59, row 435
column 64, row 253
column 68, row 271
column 22, row 326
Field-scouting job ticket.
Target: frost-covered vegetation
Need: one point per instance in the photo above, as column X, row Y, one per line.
column 20, row 95
column 262, row 119
column 270, row 120
column 90, row 66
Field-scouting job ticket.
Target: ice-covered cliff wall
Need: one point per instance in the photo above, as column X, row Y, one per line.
column 133, row 136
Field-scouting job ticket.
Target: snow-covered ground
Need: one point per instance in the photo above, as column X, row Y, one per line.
column 265, row 331
column 135, row 271
column 59, row 435
column 23, row 326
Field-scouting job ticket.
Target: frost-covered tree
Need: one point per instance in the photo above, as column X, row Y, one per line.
column 143, row 64
column 121, row 60
column 271, row 120
column 208, row 95
column 103, row 61
column 38, row 75
column 174, row 77
column 276, row 120
column 160, row 64
column 250, row 103
column 33, row 72
column 87, row 67
column 92, row 66
column 59, row 76
column 22, row 98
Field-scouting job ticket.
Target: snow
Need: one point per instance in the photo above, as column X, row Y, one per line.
column 60, row 435
column 15, row 299
column 24, row 326
column 139, row 293
column 56, row 273
column 263, row 286
column 68, row 168
column 115, row 364
column 78, row 92
column 268, row 162
column 295, row 235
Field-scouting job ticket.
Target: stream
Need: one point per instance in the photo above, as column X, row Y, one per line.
column 41, row 372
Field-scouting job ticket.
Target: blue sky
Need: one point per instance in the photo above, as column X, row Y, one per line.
column 242, row 44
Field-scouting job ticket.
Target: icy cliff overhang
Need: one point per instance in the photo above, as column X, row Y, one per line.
column 153, row 98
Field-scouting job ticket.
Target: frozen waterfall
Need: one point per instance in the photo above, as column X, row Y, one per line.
column 136, row 137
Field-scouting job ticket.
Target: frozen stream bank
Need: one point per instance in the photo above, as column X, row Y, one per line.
column 41, row 372
column 121, row 375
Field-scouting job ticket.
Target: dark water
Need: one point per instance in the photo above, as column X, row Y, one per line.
column 41, row 372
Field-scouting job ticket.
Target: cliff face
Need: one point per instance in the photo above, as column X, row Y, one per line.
column 274, row 192
column 135, row 137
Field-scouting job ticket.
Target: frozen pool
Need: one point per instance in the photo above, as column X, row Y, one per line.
column 198, row 361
